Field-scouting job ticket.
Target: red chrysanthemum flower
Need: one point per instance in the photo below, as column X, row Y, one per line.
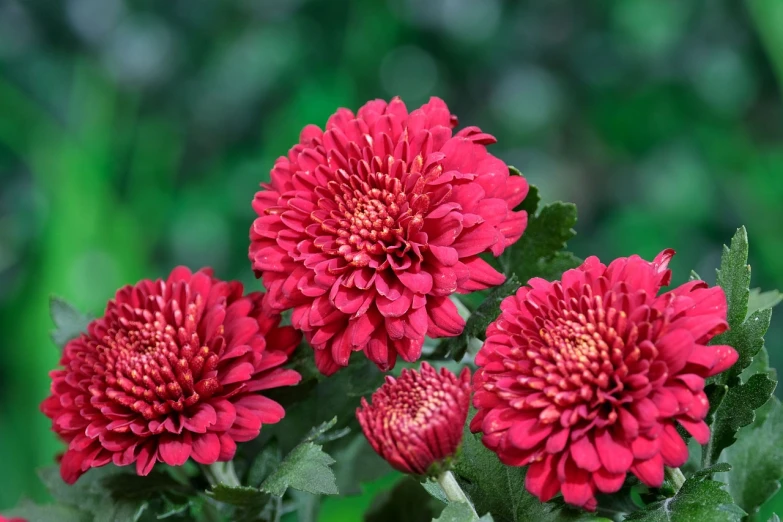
column 367, row 228
column 172, row 370
column 3, row 519
column 416, row 421
column 585, row 379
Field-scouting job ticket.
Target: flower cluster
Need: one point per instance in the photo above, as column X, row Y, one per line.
column 368, row 226
column 171, row 371
column 415, row 422
column 585, row 379
column 365, row 231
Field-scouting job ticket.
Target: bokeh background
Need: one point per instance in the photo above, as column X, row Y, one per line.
column 133, row 135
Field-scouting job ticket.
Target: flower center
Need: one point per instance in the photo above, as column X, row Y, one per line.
column 578, row 360
column 152, row 367
column 371, row 217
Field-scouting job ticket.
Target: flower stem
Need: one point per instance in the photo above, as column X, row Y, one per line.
column 676, row 477
column 453, row 492
column 221, row 473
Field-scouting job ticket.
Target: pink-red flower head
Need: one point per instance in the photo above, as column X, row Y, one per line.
column 586, row 379
column 171, row 371
column 415, row 422
column 3, row 519
column 366, row 228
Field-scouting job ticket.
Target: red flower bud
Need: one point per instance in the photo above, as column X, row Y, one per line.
column 416, row 421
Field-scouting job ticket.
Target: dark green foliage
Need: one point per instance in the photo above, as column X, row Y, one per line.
column 112, row 494
column 757, row 460
column 699, row 500
column 732, row 403
column 538, row 252
column 239, row 495
column 59, row 513
column 477, row 323
column 459, row 512
column 357, row 463
column 319, row 400
column 734, row 277
column 306, row 468
column 735, row 411
column 407, row 501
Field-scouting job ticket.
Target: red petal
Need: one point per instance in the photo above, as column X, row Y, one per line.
column 584, row 454
column 206, row 448
column 226, row 414
column 541, row 479
column 615, row 456
column 444, row 319
column 608, row 482
column 201, row 418
column 650, row 472
column 576, row 487
column 174, row 450
column 698, row 429
column 673, row 449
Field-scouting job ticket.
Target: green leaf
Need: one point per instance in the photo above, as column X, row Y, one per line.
column 746, row 326
column 68, row 321
column 546, row 234
column 708, row 472
column 759, row 300
column 32, row 512
column 699, row 500
column 734, row 277
column 320, row 434
column 434, row 489
column 238, row 495
column 407, row 501
column 306, row 467
column 499, row 489
column 477, row 323
column 760, row 364
column 735, row 411
column 552, row 268
column 460, row 512
column 264, row 464
column 112, row 510
column 747, row 338
column 757, row 461
column 732, row 403
column 110, row 493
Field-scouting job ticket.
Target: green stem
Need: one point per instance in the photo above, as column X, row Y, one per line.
column 453, row 492
column 221, row 473
column 675, row 476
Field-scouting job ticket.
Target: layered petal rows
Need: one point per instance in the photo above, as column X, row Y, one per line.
column 586, row 379
column 368, row 226
column 171, row 371
column 415, row 422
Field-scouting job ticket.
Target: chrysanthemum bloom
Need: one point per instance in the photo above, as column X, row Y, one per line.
column 586, row 379
column 171, row 371
column 415, row 422
column 3, row 519
column 366, row 229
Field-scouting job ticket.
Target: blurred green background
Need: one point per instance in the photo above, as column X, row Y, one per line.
column 133, row 135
